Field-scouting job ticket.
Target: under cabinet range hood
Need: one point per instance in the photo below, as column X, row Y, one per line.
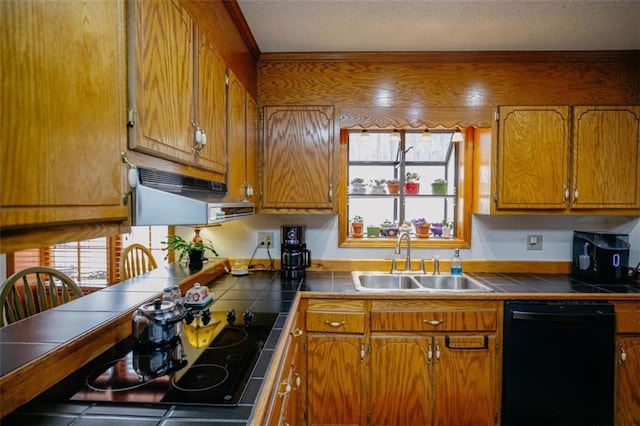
column 164, row 198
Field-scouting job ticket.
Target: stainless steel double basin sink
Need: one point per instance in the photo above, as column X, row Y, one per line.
column 410, row 282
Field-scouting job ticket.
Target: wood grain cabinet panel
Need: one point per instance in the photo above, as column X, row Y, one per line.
column 627, row 363
column 434, row 320
column 289, row 396
column 242, row 142
column 336, row 379
column 297, row 157
column 606, row 157
column 533, row 157
column 63, row 127
column 562, row 159
column 176, row 87
column 433, row 375
column 401, row 377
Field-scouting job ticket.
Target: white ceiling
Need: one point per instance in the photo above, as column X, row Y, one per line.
column 442, row 25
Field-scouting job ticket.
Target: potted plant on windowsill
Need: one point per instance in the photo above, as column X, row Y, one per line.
column 358, row 186
column 411, row 183
column 447, row 227
column 193, row 250
column 422, row 227
column 439, row 187
column 357, row 224
column 378, row 186
column 393, row 185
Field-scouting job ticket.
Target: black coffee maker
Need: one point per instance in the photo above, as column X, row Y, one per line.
column 294, row 256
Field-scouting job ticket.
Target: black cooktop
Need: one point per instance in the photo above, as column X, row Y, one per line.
column 209, row 364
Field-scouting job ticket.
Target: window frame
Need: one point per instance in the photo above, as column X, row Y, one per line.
column 464, row 192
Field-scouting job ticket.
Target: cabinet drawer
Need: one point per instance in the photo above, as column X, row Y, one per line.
column 628, row 317
column 335, row 322
column 434, row 320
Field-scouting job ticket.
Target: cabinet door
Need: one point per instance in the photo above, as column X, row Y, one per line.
column 628, row 381
column 465, row 380
column 335, row 379
column 211, row 114
column 62, row 104
column 533, row 158
column 294, row 414
column 606, row 157
column 400, row 389
column 297, row 157
column 164, row 88
column 242, row 176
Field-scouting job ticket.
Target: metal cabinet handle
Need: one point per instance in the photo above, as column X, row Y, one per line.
column 623, row 355
column 297, row 333
column 433, row 322
column 575, row 193
column 287, row 388
column 335, row 324
column 297, row 381
column 429, row 354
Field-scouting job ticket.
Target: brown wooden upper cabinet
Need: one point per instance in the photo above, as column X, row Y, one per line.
column 177, row 89
column 63, row 126
column 606, row 158
column 297, row 158
column 242, row 179
column 563, row 159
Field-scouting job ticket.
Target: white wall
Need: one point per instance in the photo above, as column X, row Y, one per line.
column 493, row 237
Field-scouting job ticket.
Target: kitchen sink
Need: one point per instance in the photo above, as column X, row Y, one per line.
column 383, row 281
column 416, row 282
column 451, row 283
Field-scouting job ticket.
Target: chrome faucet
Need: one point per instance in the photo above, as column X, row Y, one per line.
column 436, row 265
column 407, row 266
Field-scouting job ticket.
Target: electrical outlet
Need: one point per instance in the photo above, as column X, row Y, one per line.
column 534, row 242
column 264, row 239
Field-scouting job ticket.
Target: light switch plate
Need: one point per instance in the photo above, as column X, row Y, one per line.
column 534, row 242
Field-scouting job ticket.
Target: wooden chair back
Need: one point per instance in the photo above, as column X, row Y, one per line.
column 136, row 259
column 34, row 290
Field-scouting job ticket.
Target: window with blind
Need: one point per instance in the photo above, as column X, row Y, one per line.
column 92, row 263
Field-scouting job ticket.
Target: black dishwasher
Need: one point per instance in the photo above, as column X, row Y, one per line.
column 559, row 361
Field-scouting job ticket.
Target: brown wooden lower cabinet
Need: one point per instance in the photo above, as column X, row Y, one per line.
column 402, row 362
column 628, row 363
column 335, row 378
column 410, row 362
column 446, row 380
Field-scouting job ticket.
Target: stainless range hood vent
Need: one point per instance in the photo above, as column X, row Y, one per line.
column 173, row 180
column 165, row 198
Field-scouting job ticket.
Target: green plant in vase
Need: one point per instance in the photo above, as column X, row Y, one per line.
column 358, row 186
column 357, row 225
column 192, row 250
column 439, row 187
column 411, row 183
column 447, row 227
column 378, row 186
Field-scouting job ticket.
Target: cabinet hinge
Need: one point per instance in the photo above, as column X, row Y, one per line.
column 130, row 118
column 226, row 80
column 496, row 116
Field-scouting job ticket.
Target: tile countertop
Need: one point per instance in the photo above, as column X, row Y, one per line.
column 28, row 341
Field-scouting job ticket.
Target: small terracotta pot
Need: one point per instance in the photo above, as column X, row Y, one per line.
column 356, row 229
column 422, row 231
column 393, row 187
